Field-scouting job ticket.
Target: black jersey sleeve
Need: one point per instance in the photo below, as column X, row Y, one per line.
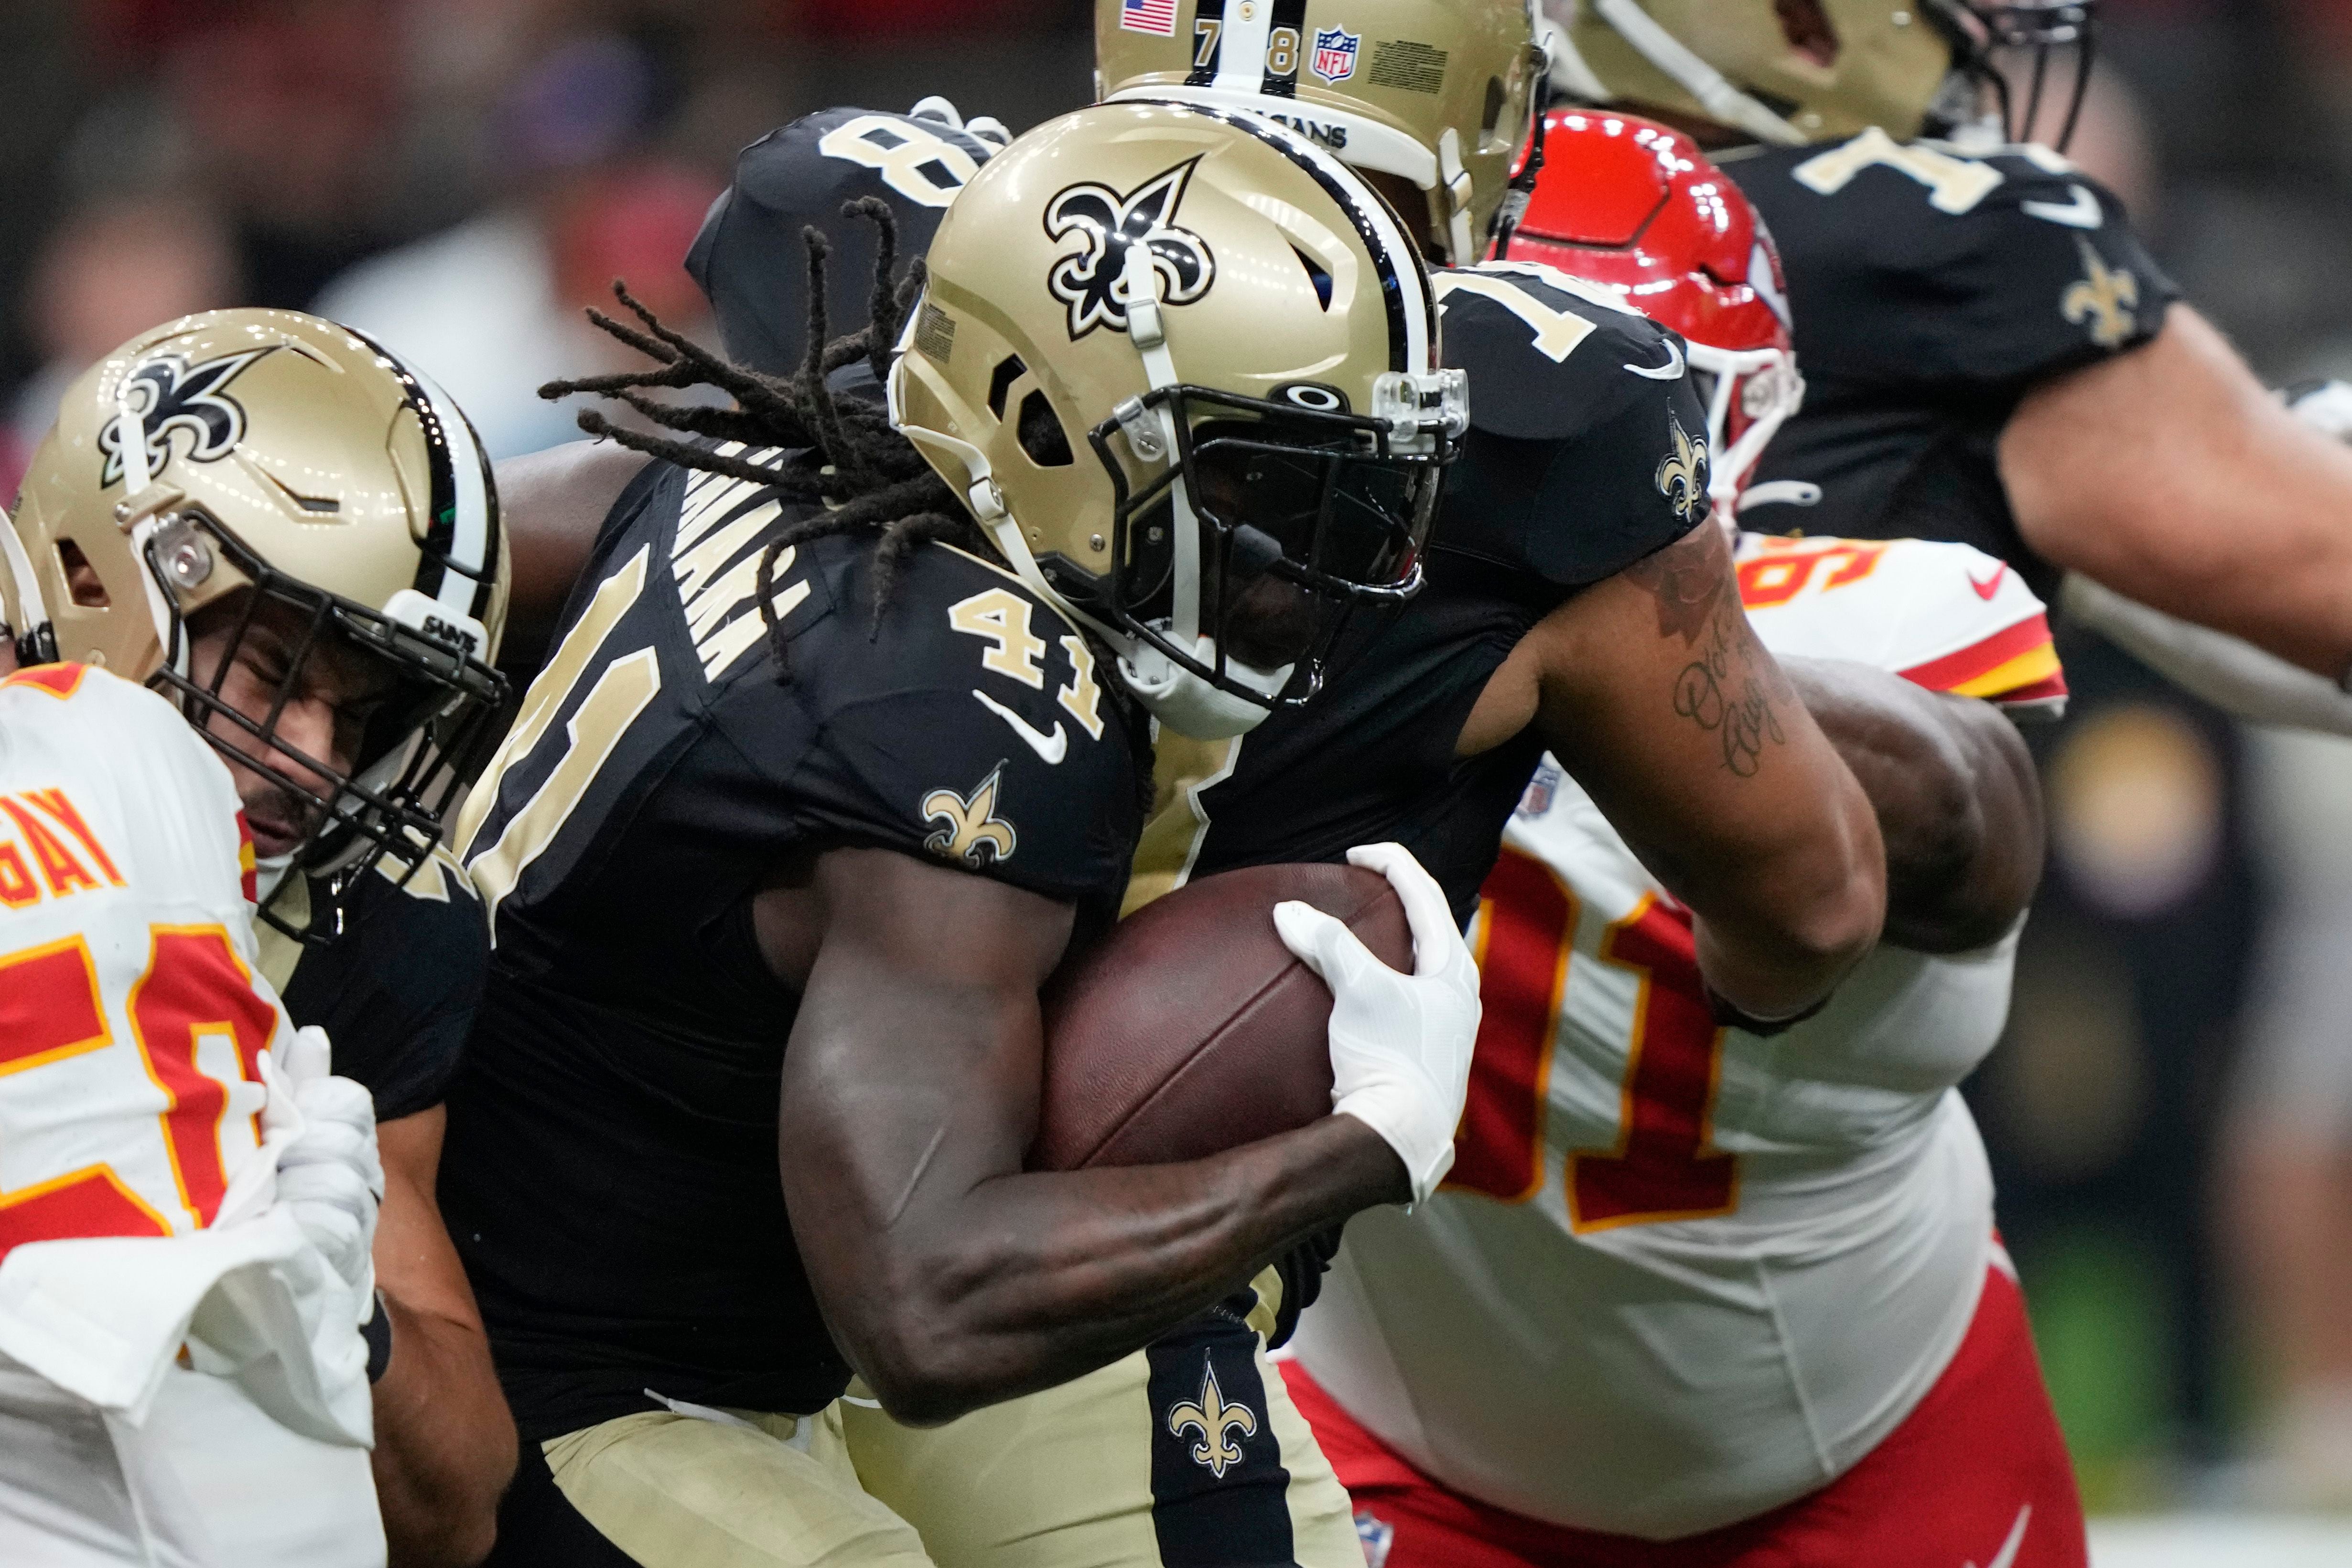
column 970, row 725
column 750, row 257
column 1588, row 442
column 397, row 990
column 1917, row 263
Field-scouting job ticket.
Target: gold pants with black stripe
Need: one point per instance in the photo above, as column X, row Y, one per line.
column 1186, row 1454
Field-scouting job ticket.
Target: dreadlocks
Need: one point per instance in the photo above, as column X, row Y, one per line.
column 848, row 460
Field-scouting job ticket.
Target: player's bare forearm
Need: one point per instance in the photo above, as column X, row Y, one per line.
column 1954, row 792
column 1656, row 694
column 2171, row 475
column 444, row 1443
column 551, row 504
column 950, row 1278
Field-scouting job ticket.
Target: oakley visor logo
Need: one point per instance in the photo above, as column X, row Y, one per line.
column 1089, row 282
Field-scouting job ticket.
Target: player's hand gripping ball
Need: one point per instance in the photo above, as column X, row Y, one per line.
column 1204, row 1021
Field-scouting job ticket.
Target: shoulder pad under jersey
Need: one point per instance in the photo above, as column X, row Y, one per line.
column 1917, row 262
column 751, row 259
column 1588, row 442
column 1943, row 616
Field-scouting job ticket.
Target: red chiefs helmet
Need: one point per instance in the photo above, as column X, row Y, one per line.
column 1636, row 209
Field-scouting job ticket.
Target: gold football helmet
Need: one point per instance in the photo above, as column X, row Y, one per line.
column 1440, row 92
column 1182, row 366
column 1792, row 73
column 256, row 458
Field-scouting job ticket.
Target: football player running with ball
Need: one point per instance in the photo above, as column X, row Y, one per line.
column 1992, row 355
column 169, row 531
column 1694, row 1296
column 1573, row 599
column 835, row 758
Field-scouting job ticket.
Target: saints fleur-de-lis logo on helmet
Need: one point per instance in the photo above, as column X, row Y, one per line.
column 171, row 396
column 1110, row 223
column 1214, row 1420
column 2106, row 300
column 1682, row 472
column 970, row 829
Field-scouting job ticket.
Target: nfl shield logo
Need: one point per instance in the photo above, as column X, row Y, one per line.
column 1335, row 53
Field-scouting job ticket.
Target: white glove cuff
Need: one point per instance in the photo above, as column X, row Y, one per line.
column 1400, row 1117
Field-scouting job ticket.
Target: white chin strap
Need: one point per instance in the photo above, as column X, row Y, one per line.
column 1723, row 102
column 30, row 606
column 140, row 513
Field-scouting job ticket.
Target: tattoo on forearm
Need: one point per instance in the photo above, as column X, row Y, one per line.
column 1722, row 692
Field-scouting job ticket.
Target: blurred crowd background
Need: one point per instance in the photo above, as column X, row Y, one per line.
column 2171, row 1116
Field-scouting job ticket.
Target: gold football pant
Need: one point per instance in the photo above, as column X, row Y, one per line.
column 720, row 1489
column 1186, row 1454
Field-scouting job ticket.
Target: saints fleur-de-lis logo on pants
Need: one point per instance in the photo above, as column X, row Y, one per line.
column 1111, row 224
column 172, row 396
column 970, row 829
column 1682, row 472
column 2106, row 300
column 1212, row 1419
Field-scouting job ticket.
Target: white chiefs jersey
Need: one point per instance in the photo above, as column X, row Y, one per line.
column 1680, row 1273
column 131, row 1014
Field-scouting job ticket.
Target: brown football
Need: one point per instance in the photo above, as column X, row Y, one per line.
column 1191, row 1029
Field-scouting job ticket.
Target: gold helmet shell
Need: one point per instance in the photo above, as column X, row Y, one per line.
column 1439, row 92
column 1117, row 287
column 1738, row 64
column 278, row 455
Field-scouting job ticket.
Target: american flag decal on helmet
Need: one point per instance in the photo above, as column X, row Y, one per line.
column 1155, row 17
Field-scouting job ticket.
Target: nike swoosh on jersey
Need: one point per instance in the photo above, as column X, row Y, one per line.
column 2082, row 212
column 1671, row 371
column 2007, row 1555
column 1050, row 748
column 1986, row 589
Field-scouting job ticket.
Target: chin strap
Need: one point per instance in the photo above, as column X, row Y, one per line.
column 30, row 606
column 140, row 512
column 1723, row 102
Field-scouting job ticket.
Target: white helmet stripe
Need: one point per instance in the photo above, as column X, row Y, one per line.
column 1241, row 49
column 460, row 481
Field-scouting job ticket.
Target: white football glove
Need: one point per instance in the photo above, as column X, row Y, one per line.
column 1400, row 1043
column 330, row 1177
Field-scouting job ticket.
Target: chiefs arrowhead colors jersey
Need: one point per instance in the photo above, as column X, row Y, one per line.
column 130, row 1017
column 1931, row 290
column 610, row 1169
column 1631, row 1309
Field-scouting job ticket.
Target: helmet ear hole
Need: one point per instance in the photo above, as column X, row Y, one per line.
column 1040, row 434
column 1496, row 97
column 82, row 582
column 1008, row 370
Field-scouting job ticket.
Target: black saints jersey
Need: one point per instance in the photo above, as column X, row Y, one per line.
column 1587, row 452
column 1931, row 290
column 751, row 259
column 397, row 989
column 611, row 1168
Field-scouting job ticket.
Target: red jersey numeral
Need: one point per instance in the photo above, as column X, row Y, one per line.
column 1663, row 1167
column 195, row 988
column 1527, row 927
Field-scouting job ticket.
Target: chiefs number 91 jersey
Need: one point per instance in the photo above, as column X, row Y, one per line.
column 131, row 1015
column 1681, row 1274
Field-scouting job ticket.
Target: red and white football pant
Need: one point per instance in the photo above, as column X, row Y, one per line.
column 1977, row 1476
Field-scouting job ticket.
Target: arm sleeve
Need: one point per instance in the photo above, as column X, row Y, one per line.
column 1578, row 465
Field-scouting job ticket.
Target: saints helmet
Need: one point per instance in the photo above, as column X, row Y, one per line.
column 1439, row 92
column 258, row 457
column 1636, row 209
column 1788, row 72
column 1173, row 355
